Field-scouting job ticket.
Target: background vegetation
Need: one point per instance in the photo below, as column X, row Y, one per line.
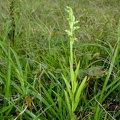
column 34, row 57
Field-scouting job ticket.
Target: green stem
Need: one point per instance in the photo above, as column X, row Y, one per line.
column 71, row 64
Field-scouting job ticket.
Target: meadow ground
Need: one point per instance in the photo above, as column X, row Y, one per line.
column 41, row 78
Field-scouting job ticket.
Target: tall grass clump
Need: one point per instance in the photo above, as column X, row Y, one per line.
column 7, row 53
column 102, row 97
column 74, row 88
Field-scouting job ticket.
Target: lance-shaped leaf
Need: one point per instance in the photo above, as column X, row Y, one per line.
column 79, row 91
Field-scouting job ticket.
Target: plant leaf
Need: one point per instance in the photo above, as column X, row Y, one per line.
column 67, row 101
column 67, row 85
column 79, row 91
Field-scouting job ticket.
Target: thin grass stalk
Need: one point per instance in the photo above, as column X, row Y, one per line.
column 12, row 18
column 7, row 88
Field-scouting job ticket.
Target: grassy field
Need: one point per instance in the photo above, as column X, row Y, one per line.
column 58, row 62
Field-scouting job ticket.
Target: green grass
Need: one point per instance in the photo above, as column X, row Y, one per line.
column 43, row 74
